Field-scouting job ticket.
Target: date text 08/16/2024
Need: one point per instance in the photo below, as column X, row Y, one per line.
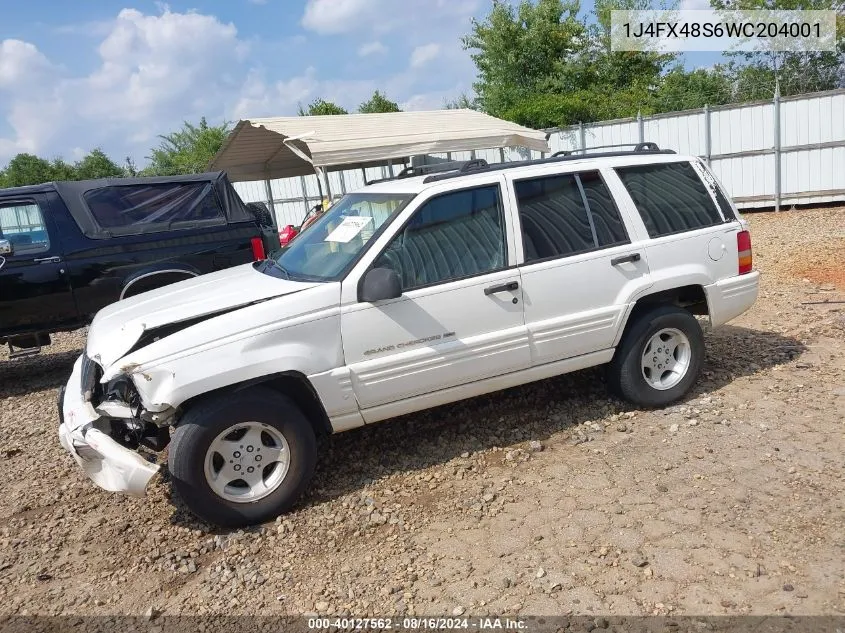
column 485, row 623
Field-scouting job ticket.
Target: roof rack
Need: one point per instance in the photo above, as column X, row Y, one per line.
column 639, row 148
column 646, row 146
column 459, row 166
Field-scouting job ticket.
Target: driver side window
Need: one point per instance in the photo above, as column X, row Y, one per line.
column 453, row 236
column 23, row 225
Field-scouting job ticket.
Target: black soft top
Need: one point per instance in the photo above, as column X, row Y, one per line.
column 73, row 194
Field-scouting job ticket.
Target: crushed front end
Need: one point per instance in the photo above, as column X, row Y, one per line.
column 103, row 424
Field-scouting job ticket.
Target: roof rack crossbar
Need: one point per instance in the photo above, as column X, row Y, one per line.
column 645, row 146
column 544, row 161
column 458, row 166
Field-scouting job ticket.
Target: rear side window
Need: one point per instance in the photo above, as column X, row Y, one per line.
column 23, row 225
column 131, row 209
column 567, row 214
column 670, row 198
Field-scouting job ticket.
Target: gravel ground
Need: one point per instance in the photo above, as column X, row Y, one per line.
column 546, row 499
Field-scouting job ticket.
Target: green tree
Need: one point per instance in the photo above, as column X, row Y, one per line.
column 130, row 170
column 378, row 103
column 188, row 150
column 62, row 170
column 686, row 90
column 27, row 169
column 461, row 102
column 321, row 107
column 541, row 65
column 756, row 75
column 96, row 165
column 518, row 50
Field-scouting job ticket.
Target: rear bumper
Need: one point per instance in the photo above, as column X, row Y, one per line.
column 108, row 464
column 728, row 298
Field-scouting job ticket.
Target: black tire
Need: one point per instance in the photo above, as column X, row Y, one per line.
column 625, row 373
column 261, row 213
column 204, row 422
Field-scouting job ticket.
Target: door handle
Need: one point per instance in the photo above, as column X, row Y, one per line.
column 508, row 287
column 633, row 257
column 47, row 260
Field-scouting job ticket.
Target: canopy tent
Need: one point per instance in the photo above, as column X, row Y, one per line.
column 281, row 147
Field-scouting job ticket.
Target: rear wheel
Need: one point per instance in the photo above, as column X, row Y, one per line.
column 242, row 458
column 659, row 358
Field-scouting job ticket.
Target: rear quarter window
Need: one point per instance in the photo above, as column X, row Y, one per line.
column 135, row 209
column 670, row 197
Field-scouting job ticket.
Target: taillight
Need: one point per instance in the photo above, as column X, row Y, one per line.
column 258, row 249
column 287, row 234
column 743, row 246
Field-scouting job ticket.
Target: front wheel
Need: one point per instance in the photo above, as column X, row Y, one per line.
column 244, row 458
column 659, row 358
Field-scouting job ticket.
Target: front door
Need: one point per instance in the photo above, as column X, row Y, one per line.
column 460, row 316
column 35, row 293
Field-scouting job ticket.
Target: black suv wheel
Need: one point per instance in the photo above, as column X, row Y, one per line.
column 242, row 458
column 660, row 357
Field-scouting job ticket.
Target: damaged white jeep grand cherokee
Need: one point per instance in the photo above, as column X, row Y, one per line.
column 405, row 295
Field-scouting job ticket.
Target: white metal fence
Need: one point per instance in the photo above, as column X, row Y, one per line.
column 790, row 151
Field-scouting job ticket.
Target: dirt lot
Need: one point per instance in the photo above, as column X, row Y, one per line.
column 545, row 499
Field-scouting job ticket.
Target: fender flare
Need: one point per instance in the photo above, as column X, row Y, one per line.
column 162, row 269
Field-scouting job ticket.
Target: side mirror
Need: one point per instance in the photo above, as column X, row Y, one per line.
column 380, row 284
column 5, row 247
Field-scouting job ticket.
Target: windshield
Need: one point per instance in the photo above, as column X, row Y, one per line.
column 327, row 248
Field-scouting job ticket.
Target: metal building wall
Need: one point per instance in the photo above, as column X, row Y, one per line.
column 739, row 142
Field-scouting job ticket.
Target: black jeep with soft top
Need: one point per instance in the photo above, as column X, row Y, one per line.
column 67, row 249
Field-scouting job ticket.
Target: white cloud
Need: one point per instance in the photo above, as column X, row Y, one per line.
column 154, row 72
column 154, row 64
column 372, row 48
column 20, row 62
column 693, row 5
column 339, row 16
column 258, row 98
column 421, row 55
column 381, row 16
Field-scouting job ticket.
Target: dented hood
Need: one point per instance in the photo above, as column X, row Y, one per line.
column 118, row 327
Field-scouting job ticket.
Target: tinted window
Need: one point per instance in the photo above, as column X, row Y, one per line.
column 670, row 198
column 610, row 230
column 456, row 235
column 567, row 214
column 134, row 208
column 23, row 225
column 553, row 217
column 710, row 181
column 724, row 205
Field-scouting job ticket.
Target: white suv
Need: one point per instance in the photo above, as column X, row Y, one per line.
column 405, row 295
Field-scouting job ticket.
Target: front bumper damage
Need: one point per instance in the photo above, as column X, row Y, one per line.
column 108, row 464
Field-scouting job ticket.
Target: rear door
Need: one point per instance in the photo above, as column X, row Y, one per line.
column 580, row 263
column 35, row 292
column 692, row 242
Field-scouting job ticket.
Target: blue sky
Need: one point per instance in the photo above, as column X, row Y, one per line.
column 116, row 73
